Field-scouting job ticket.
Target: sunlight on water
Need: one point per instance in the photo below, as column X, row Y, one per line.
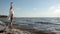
column 51, row 24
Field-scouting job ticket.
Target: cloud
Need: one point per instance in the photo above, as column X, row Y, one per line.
column 52, row 7
column 54, row 11
column 57, row 11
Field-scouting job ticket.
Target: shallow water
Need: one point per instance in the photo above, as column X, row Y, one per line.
column 52, row 24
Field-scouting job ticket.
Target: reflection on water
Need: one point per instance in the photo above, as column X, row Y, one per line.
column 52, row 24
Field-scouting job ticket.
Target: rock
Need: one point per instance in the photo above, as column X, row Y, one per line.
column 2, row 23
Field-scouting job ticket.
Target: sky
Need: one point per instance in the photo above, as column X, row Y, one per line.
column 31, row 8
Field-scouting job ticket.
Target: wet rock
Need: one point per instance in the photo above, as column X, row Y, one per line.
column 2, row 23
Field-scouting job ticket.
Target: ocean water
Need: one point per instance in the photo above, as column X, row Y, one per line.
column 45, row 23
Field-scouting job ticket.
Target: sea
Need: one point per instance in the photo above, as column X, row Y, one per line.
column 39, row 23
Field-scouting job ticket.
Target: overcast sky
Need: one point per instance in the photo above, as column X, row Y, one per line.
column 31, row 8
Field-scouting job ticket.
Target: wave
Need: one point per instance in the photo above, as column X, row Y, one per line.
column 48, row 23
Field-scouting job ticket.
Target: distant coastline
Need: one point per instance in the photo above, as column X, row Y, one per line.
column 3, row 16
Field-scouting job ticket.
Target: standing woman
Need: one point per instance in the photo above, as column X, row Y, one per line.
column 11, row 15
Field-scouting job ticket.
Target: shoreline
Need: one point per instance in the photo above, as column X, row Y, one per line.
column 35, row 31
column 26, row 30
